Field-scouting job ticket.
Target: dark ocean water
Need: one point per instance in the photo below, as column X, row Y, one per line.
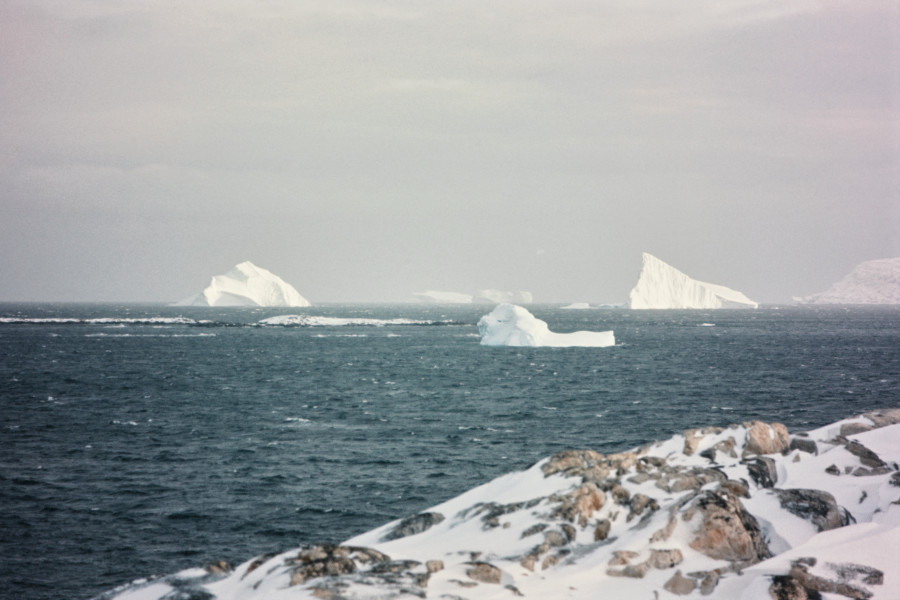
column 131, row 448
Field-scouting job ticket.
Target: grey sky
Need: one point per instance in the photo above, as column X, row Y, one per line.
column 366, row 150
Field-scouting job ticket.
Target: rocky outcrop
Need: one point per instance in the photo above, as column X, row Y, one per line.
column 669, row 518
column 816, row 506
column 846, row 579
column 726, row 530
column 413, row 525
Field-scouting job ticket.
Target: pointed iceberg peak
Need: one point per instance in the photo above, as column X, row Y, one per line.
column 663, row 286
column 247, row 285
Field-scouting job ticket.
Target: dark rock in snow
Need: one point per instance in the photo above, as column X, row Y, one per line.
column 815, row 506
column 413, row 525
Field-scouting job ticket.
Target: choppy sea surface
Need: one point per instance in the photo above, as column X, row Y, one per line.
column 139, row 440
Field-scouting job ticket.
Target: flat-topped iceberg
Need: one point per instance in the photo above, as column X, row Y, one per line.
column 663, row 286
column 501, row 297
column 871, row 282
column 247, row 285
column 511, row 325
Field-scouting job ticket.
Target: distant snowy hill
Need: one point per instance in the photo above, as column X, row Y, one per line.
column 663, row 286
column 247, row 285
column 871, row 282
column 746, row 512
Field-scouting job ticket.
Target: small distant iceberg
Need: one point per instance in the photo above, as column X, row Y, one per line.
column 511, row 325
column 577, row 306
column 247, row 285
column 870, row 282
column 501, row 297
column 662, row 286
column 436, row 297
column 481, row 296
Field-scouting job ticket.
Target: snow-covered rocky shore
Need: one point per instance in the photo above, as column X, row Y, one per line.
column 743, row 512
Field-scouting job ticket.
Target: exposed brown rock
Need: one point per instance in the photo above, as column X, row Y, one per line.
column 601, row 532
column 572, row 462
column 884, row 417
column 680, row 585
column 433, row 566
column 765, row 438
column 640, row 502
column 727, row 531
column 866, row 456
column 799, row 581
column 665, row 559
column 219, row 568
column 484, row 572
column 665, row 533
column 636, row 571
column 622, row 557
column 736, row 488
column 579, row 504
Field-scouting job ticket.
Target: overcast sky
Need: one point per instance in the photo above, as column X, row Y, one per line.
column 367, row 150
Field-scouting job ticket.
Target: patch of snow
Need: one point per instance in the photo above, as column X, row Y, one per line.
column 511, row 325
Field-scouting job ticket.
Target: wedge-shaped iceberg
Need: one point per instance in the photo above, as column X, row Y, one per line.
column 511, row 325
column 871, row 282
column 247, row 285
column 663, row 286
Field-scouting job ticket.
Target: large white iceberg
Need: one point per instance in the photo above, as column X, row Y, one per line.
column 511, row 325
column 871, row 282
column 247, row 285
column 663, row 286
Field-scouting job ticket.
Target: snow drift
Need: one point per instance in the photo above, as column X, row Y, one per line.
column 871, row 282
column 511, row 325
column 746, row 512
column 663, row 286
column 247, row 285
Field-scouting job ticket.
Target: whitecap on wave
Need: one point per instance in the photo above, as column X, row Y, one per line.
column 316, row 321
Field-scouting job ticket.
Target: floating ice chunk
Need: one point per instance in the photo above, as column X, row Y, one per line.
column 443, row 297
column 577, row 306
column 247, row 285
column 663, row 286
column 511, row 325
